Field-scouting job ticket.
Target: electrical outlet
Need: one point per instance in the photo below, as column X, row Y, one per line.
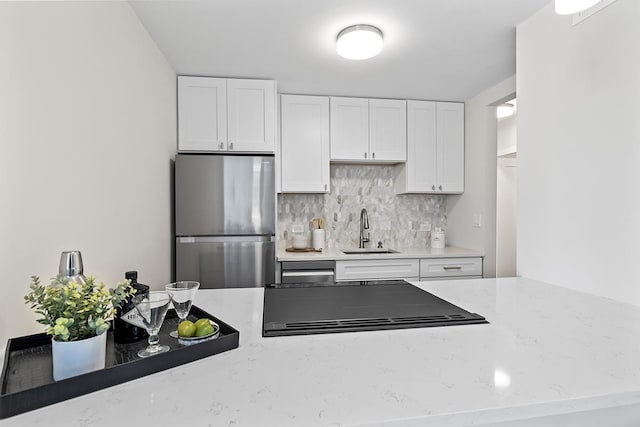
column 425, row 226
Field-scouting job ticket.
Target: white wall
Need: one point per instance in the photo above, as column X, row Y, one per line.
column 507, row 135
column 479, row 195
column 506, row 191
column 87, row 131
column 579, row 150
column 506, row 217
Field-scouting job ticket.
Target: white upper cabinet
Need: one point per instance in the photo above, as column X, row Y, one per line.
column 435, row 144
column 202, row 114
column 422, row 165
column 304, row 146
column 368, row 130
column 226, row 115
column 450, row 125
column 251, row 115
column 349, row 128
column 388, row 129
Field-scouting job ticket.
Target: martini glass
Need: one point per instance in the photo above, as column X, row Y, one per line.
column 182, row 294
column 152, row 308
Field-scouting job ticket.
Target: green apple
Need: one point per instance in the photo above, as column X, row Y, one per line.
column 202, row 322
column 204, row 329
column 187, row 328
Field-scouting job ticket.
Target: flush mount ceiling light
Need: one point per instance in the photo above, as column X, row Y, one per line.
column 569, row 7
column 505, row 110
column 359, row 42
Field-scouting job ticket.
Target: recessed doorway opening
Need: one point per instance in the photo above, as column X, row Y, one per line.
column 506, row 194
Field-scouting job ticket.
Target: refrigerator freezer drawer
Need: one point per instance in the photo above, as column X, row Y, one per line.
column 226, row 262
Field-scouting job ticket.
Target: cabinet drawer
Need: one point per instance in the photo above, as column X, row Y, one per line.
column 450, row 267
column 377, row 269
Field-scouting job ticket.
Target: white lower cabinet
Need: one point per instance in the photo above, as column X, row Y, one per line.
column 378, row 269
column 450, row 268
column 411, row 269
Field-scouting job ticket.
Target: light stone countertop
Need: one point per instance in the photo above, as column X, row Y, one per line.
column 547, row 351
column 336, row 254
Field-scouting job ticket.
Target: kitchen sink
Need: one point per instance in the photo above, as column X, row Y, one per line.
column 364, row 251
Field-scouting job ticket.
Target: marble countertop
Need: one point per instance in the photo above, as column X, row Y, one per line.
column 336, row 254
column 547, row 351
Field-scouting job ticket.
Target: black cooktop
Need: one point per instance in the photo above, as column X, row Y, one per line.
column 317, row 308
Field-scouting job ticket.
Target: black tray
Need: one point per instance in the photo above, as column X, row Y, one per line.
column 27, row 372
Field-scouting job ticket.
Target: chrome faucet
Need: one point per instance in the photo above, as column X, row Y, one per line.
column 364, row 225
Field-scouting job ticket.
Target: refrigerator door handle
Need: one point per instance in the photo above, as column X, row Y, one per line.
column 223, row 239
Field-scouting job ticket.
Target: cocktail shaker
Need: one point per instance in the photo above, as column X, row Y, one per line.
column 71, row 267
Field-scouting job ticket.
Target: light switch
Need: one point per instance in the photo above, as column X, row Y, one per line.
column 477, row 220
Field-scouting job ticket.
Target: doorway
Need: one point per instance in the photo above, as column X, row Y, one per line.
column 506, row 190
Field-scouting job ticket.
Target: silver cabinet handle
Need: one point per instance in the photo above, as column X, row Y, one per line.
column 440, row 188
column 231, row 146
column 433, row 187
column 452, row 267
column 373, row 155
column 325, row 187
column 221, row 145
column 365, row 154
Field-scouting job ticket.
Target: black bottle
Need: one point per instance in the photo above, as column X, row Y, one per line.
column 127, row 325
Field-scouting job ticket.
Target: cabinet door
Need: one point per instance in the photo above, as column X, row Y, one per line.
column 422, row 164
column 450, row 124
column 349, row 128
column 251, row 115
column 388, row 129
column 304, row 143
column 202, row 114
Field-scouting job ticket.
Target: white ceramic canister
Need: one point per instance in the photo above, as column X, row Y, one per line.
column 318, row 238
column 299, row 240
column 298, row 236
column 437, row 239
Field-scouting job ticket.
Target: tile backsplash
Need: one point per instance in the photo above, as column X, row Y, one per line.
column 393, row 219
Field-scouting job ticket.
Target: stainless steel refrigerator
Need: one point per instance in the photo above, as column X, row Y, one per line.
column 225, row 220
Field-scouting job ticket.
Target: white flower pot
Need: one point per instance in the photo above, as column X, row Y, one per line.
column 78, row 357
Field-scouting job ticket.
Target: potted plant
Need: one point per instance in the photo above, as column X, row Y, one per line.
column 77, row 317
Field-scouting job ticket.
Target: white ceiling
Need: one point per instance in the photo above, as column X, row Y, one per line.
column 448, row 50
